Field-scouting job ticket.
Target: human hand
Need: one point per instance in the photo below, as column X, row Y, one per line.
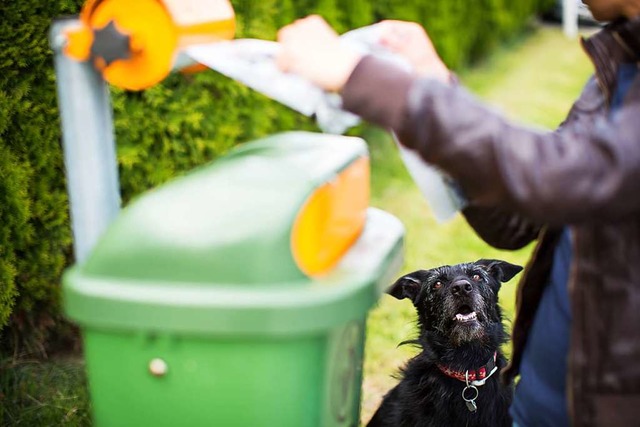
column 312, row 49
column 410, row 40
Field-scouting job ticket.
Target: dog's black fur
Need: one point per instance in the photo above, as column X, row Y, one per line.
column 425, row 396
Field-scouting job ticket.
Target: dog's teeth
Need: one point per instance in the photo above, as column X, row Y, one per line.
column 466, row 317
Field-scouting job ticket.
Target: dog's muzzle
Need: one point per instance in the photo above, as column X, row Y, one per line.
column 463, row 299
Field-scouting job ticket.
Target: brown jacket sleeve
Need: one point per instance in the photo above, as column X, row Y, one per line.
column 501, row 229
column 551, row 177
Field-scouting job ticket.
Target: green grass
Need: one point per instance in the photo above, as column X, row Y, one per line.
column 533, row 80
column 34, row 394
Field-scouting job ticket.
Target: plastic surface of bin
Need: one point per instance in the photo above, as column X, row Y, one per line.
column 194, row 310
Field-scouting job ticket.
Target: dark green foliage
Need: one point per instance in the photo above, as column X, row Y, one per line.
column 463, row 30
column 34, row 233
column 161, row 132
column 44, row 394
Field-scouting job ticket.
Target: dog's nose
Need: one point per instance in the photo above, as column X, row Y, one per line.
column 461, row 287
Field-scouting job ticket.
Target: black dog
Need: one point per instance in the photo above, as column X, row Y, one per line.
column 454, row 380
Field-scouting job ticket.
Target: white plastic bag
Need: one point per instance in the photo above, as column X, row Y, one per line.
column 252, row 62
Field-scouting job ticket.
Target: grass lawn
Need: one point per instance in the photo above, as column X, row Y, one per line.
column 534, row 80
column 37, row 394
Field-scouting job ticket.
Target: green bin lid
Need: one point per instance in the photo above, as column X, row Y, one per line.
column 210, row 251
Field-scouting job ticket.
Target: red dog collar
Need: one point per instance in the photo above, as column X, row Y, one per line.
column 477, row 375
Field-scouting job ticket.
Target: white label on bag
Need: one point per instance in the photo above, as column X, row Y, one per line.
column 194, row 12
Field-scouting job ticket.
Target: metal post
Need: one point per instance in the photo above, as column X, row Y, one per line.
column 88, row 144
column 570, row 18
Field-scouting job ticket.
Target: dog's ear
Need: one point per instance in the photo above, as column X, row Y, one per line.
column 502, row 271
column 407, row 286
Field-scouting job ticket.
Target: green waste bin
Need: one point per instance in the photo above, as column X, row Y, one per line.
column 195, row 311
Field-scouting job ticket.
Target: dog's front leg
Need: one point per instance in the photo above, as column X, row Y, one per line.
column 386, row 415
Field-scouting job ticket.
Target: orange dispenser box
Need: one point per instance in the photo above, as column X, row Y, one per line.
column 134, row 44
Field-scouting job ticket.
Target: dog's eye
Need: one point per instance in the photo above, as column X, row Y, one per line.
column 476, row 277
column 437, row 285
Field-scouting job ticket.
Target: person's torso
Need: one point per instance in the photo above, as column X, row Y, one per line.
column 604, row 286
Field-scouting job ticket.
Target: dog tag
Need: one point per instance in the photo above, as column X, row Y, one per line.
column 471, row 405
column 471, row 400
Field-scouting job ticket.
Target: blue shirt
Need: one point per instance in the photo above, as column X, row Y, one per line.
column 626, row 75
column 540, row 398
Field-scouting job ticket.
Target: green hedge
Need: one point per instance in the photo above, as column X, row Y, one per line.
column 161, row 132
